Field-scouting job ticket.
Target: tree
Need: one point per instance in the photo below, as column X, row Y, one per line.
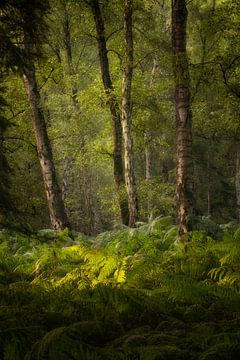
column 114, row 109
column 28, row 18
column 127, row 115
column 214, row 65
column 185, row 178
column 5, row 198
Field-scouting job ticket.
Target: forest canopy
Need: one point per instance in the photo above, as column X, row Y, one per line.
column 92, row 96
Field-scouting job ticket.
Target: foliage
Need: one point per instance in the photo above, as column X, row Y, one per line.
column 78, row 120
column 128, row 293
column 103, row 290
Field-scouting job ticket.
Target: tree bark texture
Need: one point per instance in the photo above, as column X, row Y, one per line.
column 56, row 207
column 114, row 110
column 185, row 177
column 127, row 115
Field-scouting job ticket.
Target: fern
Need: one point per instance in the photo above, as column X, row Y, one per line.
column 70, row 342
column 71, row 299
column 15, row 341
column 180, row 287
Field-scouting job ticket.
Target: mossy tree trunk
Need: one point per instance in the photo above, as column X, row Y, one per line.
column 56, row 207
column 185, row 176
column 115, row 112
column 127, row 115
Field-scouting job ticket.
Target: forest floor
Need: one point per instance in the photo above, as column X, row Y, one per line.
column 126, row 294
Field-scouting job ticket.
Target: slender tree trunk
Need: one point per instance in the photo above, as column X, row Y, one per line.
column 94, row 222
column 148, row 172
column 67, row 42
column 114, row 109
column 208, row 186
column 149, row 148
column 127, row 115
column 68, row 49
column 5, row 198
column 185, row 178
column 148, row 160
column 66, row 170
column 56, row 207
column 237, row 184
column 208, row 203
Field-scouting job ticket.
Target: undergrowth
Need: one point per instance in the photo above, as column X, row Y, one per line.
column 138, row 293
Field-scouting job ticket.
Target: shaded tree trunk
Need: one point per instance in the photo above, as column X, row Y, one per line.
column 148, row 172
column 56, row 207
column 237, row 184
column 67, row 40
column 127, row 116
column 66, row 170
column 5, row 198
column 208, row 186
column 94, row 222
column 185, row 177
column 114, row 109
column 149, row 148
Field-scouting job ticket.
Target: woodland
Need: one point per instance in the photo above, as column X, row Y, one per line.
column 119, row 180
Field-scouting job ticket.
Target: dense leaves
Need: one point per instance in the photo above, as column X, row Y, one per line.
column 79, row 122
column 125, row 294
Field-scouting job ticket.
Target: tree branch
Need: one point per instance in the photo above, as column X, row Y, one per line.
column 21, row 139
column 113, row 33
column 48, row 77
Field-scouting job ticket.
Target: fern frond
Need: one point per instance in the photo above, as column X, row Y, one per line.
column 219, row 273
column 76, row 341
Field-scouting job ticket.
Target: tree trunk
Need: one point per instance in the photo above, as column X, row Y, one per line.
column 237, row 184
column 148, row 150
column 148, row 173
column 185, row 177
column 5, row 198
column 94, row 222
column 208, row 203
column 114, row 109
column 57, row 211
column 66, row 170
column 148, row 160
column 208, row 185
column 68, row 49
column 127, row 115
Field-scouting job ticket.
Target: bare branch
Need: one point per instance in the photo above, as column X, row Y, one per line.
column 120, row 56
column 105, row 152
column 113, row 33
column 20, row 139
column 90, row 35
column 142, row 59
column 15, row 115
column 48, row 77
column 80, row 55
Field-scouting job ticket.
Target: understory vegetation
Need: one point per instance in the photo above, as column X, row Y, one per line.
column 130, row 293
